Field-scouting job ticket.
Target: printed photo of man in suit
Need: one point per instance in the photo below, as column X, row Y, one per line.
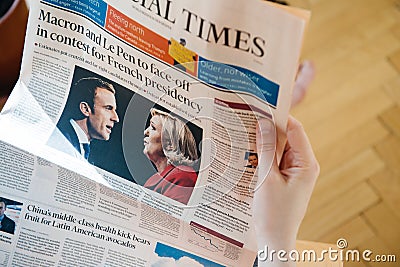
column 91, row 115
column 252, row 160
column 6, row 224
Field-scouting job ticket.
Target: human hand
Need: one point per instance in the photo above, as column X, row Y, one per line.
column 305, row 76
column 281, row 200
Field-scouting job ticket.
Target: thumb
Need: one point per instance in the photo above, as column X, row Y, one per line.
column 266, row 145
column 299, row 143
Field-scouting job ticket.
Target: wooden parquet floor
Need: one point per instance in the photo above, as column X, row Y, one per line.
column 352, row 115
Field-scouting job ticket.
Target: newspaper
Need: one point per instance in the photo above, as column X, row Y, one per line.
column 129, row 139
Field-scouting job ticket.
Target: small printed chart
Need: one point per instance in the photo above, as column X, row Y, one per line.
column 205, row 240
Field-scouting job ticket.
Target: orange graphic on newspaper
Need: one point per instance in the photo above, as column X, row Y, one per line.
column 181, row 54
column 136, row 34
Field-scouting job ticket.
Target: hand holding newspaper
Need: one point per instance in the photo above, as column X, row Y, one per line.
column 130, row 136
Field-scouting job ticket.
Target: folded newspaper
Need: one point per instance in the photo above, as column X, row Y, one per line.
column 129, row 139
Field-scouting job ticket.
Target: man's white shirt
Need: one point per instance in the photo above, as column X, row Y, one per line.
column 82, row 137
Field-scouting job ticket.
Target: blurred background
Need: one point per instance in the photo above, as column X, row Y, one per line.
column 352, row 116
column 13, row 19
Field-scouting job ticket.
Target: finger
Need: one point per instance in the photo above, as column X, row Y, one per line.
column 305, row 74
column 299, row 143
column 266, row 144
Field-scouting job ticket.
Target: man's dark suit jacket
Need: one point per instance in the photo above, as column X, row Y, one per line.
column 7, row 225
column 69, row 132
